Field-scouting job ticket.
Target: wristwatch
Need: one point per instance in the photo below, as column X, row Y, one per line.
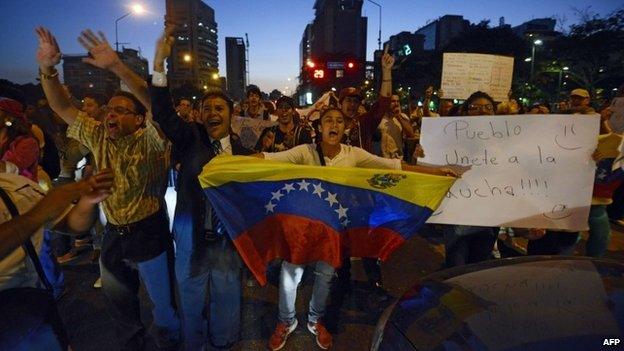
column 48, row 76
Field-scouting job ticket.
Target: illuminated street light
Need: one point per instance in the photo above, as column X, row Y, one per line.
column 528, row 59
column 566, row 68
column 187, row 58
column 205, row 87
column 535, row 42
column 215, row 76
column 136, row 9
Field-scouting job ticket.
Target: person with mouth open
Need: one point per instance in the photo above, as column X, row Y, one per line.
column 331, row 152
column 137, row 242
column 206, row 261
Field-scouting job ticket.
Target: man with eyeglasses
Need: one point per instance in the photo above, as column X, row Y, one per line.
column 285, row 135
column 137, row 243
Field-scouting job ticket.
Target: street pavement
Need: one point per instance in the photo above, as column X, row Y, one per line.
column 90, row 328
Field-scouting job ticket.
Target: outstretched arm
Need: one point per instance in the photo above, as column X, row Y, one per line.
column 19, row 229
column 103, row 56
column 48, row 56
column 448, row 170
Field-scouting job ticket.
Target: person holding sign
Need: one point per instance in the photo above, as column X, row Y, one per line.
column 470, row 244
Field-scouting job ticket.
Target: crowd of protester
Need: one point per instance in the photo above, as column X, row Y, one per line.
column 71, row 149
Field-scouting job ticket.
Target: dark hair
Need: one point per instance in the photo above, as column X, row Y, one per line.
column 253, row 89
column 99, row 98
column 179, row 100
column 285, row 100
column 13, row 93
column 475, row 96
column 330, row 109
column 221, row 95
column 140, row 109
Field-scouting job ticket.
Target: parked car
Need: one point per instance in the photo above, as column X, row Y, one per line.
column 526, row 303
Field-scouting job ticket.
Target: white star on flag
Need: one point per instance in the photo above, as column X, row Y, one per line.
column 269, row 207
column 318, row 190
column 345, row 222
column 277, row 195
column 342, row 211
column 303, row 185
column 288, row 188
column 331, row 198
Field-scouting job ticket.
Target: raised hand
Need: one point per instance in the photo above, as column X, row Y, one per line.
column 268, row 140
column 48, row 52
column 387, row 60
column 97, row 187
column 164, row 44
column 103, row 55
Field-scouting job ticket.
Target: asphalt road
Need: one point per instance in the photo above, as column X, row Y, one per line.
column 90, row 328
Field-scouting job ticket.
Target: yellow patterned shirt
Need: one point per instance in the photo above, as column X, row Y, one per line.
column 139, row 162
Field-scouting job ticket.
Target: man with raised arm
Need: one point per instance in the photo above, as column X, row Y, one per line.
column 137, row 241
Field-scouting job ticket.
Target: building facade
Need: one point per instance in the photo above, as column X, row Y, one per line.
column 194, row 55
column 332, row 49
column 440, row 32
column 83, row 78
column 236, row 67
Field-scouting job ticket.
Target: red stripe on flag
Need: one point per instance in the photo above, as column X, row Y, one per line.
column 366, row 242
column 296, row 239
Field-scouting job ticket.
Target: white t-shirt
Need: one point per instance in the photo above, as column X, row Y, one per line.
column 16, row 269
column 392, row 136
column 349, row 156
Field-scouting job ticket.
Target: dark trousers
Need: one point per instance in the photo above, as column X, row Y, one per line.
column 371, row 267
column 467, row 244
column 553, row 243
column 212, row 270
column 123, row 265
column 616, row 209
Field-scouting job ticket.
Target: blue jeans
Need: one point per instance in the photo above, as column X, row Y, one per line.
column 599, row 231
column 213, row 270
column 120, row 284
column 50, row 265
column 290, row 277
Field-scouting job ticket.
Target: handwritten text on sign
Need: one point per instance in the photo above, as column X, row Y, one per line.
column 463, row 74
column 532, row 171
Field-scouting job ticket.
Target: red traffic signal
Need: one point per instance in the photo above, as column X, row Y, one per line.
column 350, row 64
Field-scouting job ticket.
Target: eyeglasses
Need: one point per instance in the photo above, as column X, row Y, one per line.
column 118, row 110
column 475, row 107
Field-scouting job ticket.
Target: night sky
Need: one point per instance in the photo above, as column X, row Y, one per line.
column 275, row 27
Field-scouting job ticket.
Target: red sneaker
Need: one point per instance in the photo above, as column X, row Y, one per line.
column 280, row 335
column 323, row 337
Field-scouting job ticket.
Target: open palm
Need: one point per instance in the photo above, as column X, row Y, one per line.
column 102, row 55
column 48, row 52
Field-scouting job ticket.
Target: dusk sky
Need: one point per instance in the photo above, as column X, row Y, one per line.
column 275, row 27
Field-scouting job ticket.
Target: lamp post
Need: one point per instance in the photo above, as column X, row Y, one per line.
column 535, row 42
column 136, row 9
column 379, row 35
column 566, row 68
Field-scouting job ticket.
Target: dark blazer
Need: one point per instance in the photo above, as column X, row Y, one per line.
column 193, row 145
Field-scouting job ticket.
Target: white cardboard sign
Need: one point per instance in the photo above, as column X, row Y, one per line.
column 531, row 171
column 464, row 74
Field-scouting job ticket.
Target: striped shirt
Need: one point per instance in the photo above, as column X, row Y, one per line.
column 139, row 162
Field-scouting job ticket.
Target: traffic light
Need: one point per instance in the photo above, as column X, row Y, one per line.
column 318, row 73
column 350, row 64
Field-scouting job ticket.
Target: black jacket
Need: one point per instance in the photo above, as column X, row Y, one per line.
column 193, row 145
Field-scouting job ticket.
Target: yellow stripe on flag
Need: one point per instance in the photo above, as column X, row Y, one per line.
column 420, row 189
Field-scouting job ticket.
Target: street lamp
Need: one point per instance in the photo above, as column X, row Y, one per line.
column 565, row 68
column 187, row 57
column 136, row 9
column 215, row 76
column 379, row 37
column 535, row 42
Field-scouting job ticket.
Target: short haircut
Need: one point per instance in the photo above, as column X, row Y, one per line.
column 99, row 98
column 330, row 109
column 140, row 109
column 221, row 95
column 475, row 96
column 253, row 89
column 179, row 100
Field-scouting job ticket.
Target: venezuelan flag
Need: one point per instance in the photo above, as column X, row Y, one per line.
column 305, row 214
